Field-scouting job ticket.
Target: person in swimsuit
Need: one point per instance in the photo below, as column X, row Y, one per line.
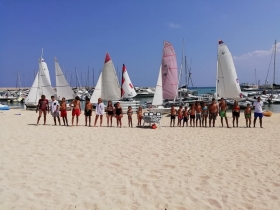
column 247, row 114
column 235, row 113
column 118, row 114
column 198, row 110
column 192, row 115
column 63, row 111
column 88, row 112
column 139, row 115
column 204, row 114
column 55, row 110
column 180, row 115
column 99, row 111
column 186, row 116
column 43, row 106
column 173, row 113
column 109, row 113
column 129, row 116
column 76, row 104
column 213, row 112
column 222, row 111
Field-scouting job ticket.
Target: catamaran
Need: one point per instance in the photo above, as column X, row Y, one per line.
column 127, row 92
column 40, row 86
column 227, row 84
column 167, row 83
column 108, row 87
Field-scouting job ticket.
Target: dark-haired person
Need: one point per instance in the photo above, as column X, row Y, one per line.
column 223, row 111
column 235, row 113
column 247, row 114
column 213, row 112
column 119, row 114
column 76, row 111
column 258, row 112
column 63, row 111
column 55, row 110
column 43, row 106
column 88, row 112
column 109, row 113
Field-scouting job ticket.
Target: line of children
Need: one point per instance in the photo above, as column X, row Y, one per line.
column 198, row 114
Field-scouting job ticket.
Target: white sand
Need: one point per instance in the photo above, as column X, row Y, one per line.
column 48, row 167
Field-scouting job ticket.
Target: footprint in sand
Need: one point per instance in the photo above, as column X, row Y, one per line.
column 215, row 203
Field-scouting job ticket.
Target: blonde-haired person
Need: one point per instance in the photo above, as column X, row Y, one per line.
column 99, row 111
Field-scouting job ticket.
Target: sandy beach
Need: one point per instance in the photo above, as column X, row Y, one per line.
column 57, row 167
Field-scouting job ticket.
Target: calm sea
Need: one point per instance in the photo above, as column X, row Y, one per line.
column 200, row 90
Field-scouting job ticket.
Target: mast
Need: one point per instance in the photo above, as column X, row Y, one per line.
column 88, row 77
column 122, row 82
column 92, row 77
column 180, row 73
column 274, row 64
column 256, row 76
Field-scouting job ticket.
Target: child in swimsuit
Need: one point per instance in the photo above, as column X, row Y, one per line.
column 109, row 113
column 119, row 114
column 192, row 115
column 88, row 112
column 204, row 114
column 180, row 116
column 139, row 115
column 247, row 114
column 235, row 113
column 129, row 115
column 63, row 111
column 198, row 110
column 186, row 116
column 173, row 112
column 43, row 106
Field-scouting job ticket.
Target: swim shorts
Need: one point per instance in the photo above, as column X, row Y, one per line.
column 75, row 112
column 223, row 114
column 235, row 114
column 63, row 113
column 172, row 117
column 88, row 113
column 55, row 114
column 256, row 115
column 212, row 116
column 198, row 116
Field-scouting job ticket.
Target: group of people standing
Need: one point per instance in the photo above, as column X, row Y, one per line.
column 198, row 113
column 54, row 107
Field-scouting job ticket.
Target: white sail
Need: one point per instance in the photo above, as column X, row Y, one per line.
column 35, row 92
column 110, row 88
column 158, row 98
column 128, row 90
column 46, row 88
column 63, row 89
column 227, row 85
column 46, row 70
column 97, row 90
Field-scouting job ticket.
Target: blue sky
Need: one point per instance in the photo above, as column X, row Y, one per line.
column 79, row 33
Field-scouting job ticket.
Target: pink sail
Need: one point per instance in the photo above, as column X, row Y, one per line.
column 169, row 72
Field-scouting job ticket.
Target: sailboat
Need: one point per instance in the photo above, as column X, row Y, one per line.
column 107, row 86
column 40, row 86
column 127, row 92
column 63, row 89
column 227, row 84
column 167, row 83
